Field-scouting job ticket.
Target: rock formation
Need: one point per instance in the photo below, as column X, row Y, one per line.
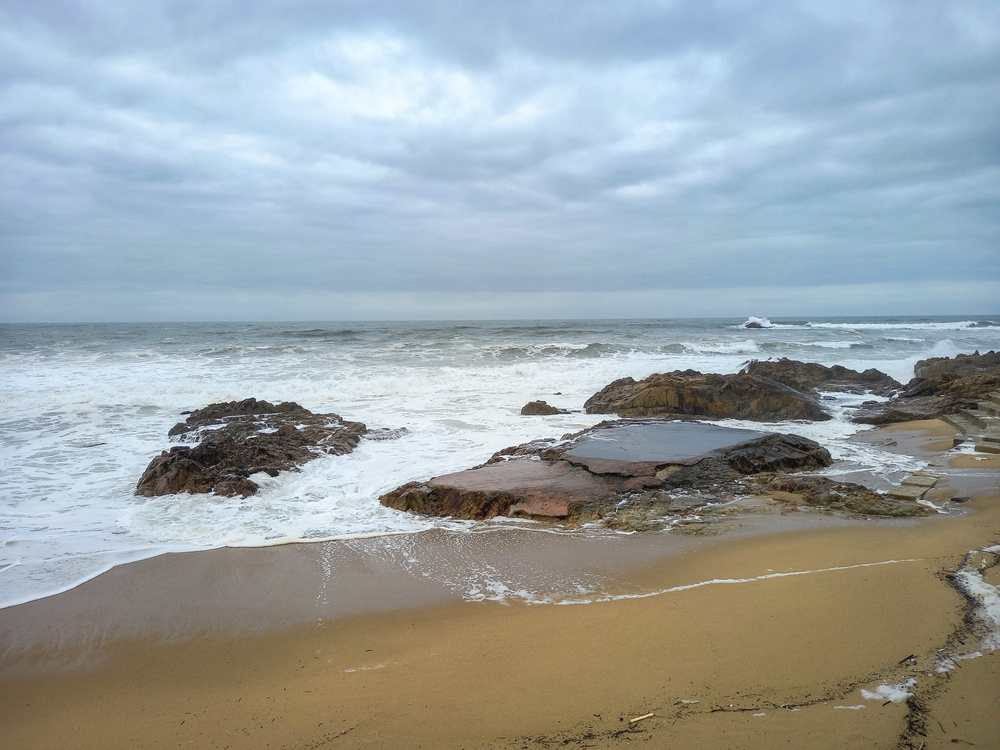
column 691, row 393
column 540, row 408
column 638, row 474
column 941, row 386
column 241, row 438
column 810, row 377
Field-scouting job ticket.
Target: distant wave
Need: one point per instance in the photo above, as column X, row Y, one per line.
column 896, row 325
column 749, row 346
column 913, row 326
column 531, row 351
column 839, row 344
column 323, row 333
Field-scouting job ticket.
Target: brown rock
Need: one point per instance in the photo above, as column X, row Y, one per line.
column 540, row 408
column 848, row 497
column 603, row 469
column 517, row 488
column 690, row 393
column 943, row 386
column 241, row 438
column 810, row 377
column 961, row 365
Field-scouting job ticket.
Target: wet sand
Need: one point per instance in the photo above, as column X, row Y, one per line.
column 741, row 640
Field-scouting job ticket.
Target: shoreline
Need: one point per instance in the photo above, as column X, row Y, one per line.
column 239, row 646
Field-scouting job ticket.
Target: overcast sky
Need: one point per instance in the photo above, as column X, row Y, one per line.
column 311, row 159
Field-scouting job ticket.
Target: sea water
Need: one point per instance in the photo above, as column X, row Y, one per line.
column 84, row 408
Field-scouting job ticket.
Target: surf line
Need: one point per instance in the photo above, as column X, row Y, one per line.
column 728, row 581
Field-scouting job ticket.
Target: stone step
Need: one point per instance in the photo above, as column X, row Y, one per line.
column 991, row 436
column 975, row 416
column 994, row 397
column 988, row 447
column 921, row 480
column 990, row 407
column 960, row 423
column 907, row 492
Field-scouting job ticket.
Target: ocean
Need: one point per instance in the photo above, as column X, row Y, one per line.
column 85, row 407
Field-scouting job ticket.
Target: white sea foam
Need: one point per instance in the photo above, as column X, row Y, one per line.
column 747, row 346
column 897, row 693
column 987, row 597
column 728, row 582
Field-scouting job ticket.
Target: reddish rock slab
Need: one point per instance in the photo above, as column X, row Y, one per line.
column 518, row 488
column 592, row 475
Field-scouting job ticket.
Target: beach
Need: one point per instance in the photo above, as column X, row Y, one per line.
column 761, row 636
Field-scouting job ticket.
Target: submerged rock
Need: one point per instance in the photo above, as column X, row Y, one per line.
column 241, row 438
column 608, row 471
column 691, row 393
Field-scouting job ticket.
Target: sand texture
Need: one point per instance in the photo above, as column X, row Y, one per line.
column 741, row 640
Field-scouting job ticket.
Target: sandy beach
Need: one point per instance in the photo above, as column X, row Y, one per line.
column 762, row 636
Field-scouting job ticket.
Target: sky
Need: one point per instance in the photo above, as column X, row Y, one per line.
column 386, row 159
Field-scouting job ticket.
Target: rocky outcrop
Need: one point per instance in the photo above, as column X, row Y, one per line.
column 811, row 377
column 847, row 497
column 627, row 474
column 691, row 393
column 942, row 386
column 540, row 408
column 240, row 438
column 959, row 366
column 643, row 474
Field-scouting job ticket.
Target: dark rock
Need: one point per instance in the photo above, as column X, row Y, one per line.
column 241, row 438
column 823, row 492
column 961, row 365
column 540, row 408
column 753, row 324
column 942, row 386
column 905, row 409
column 602, row 472
column 690, row 393
column 810, row 377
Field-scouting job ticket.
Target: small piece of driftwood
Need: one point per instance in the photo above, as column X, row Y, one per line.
column 640, row 718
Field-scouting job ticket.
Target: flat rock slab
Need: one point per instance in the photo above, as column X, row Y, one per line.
column 532, row 488
column 921, row 480
column 907, row 492
column 630, row 448
column 589, row 477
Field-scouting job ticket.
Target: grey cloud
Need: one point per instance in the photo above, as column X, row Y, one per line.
column 532, row 147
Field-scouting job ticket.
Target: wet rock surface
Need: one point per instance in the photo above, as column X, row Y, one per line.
column 811, row 377
column 942, row 386
column 237, row 439
column 691, row 393
column 642, row 474
column 540, row 408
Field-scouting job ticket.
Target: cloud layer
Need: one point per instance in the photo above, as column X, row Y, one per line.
column 423, row 159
